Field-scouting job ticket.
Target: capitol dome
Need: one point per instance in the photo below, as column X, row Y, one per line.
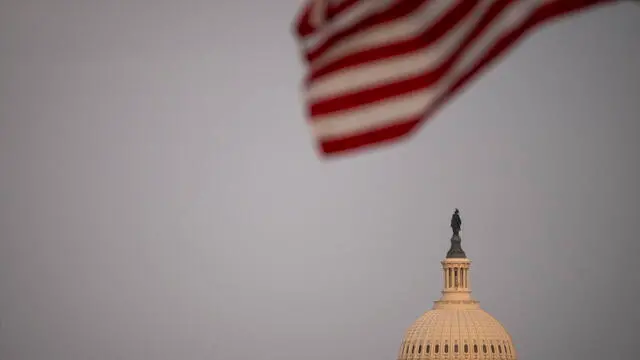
column 456, row 327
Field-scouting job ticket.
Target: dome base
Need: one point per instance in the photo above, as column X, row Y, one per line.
column 456, row 304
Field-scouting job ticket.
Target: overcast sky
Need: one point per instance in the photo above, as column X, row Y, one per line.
column 161, row 198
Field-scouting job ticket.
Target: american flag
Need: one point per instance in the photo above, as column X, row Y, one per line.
column 377, row 69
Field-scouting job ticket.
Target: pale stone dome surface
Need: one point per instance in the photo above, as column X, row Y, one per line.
column 456, row 327
column 457, row 334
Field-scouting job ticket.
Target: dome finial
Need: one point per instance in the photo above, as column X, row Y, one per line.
column 456, row 249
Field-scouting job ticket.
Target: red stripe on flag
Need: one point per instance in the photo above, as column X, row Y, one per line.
column 397, row 11
column 339, row 8
column 420, row 41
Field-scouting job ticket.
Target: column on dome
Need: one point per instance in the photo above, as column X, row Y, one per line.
column 446, row 280
column 456, row 276
column 463, row 277
column 452, row 283
column 468, row 278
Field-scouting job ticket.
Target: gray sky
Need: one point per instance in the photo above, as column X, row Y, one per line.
column 160, row 197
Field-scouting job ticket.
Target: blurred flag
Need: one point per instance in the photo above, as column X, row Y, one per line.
column 377, row 69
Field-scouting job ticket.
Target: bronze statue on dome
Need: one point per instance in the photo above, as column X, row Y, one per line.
column 456, row 223
column 456, row 247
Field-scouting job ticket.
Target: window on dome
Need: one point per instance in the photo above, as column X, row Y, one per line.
column 475, row 348
column 436, row 349
column 413, row 348
column 455, row 348
column 446, row 348
column 466, row 348
column 419, row 349
column 406, row 349
column 493, row 349
column 500, row 349
column 428, row 348
column 484, row 349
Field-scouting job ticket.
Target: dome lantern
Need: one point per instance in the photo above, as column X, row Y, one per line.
column 455, row 267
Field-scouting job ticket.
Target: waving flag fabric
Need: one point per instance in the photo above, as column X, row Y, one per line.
column 377, row 69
